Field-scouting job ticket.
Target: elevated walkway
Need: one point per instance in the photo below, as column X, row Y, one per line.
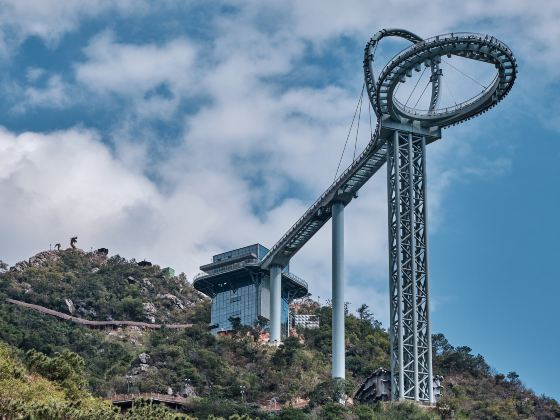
column 94, row 324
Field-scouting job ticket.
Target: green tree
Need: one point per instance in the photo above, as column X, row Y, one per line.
column 66, row 368
column 145, row 410
column 333, row 411
column 289, row 413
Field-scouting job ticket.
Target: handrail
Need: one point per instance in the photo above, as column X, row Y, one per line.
column 228, row 267
column 448, row 109
column 339, row 182
column 148, row 396
column 296, row 279
column 89, row 323
column 312, row 220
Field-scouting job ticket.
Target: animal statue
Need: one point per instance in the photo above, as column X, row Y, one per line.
column 73, row 242
column 57, row 246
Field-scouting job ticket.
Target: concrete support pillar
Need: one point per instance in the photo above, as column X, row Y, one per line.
column 275, row 303
column 338, row 351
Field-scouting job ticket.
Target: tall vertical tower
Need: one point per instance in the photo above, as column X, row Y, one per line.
column 411, row 345
column 404, row 131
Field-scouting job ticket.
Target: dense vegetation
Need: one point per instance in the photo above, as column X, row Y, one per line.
column 52, row 388
column 221, row 376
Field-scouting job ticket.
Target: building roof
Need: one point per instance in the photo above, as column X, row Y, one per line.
column 239, row 267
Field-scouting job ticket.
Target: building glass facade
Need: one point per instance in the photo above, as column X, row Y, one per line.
column 241, row 303
column 285, row 314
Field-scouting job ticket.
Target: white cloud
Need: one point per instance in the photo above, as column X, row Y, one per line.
column 154, row 77
column 135, row 69
column 51, row 19
column 61, row 184
column 55, row 94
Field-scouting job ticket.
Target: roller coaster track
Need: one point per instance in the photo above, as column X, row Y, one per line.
column 387, row 109
column 347, row 185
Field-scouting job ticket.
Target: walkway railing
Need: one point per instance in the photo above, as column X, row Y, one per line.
column 165, row 398
column 94, row 324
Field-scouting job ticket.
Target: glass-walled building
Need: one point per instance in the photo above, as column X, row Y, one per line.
column 240, row 288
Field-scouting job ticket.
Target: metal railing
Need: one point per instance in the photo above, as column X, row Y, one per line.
column 339, row 182
column 154, row 396
column 94, row 324
column 450, row 109
column 226, row 268
column 296, row 279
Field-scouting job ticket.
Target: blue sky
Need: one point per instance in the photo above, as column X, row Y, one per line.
column 182, row 129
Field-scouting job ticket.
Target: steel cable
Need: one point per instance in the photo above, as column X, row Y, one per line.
column 349, row 131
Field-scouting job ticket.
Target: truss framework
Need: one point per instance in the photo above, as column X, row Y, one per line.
column 411, row 348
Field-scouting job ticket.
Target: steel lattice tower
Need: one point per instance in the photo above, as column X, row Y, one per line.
column 411, row 350
column 406, row 131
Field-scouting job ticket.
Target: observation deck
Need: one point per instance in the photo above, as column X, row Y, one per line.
column 239, row 267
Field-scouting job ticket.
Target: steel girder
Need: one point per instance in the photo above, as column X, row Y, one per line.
column 343, row 189
column 411, row 349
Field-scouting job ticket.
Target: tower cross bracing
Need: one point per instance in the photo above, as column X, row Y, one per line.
column 410, row 338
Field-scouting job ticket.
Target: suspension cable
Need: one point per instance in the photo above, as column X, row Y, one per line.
column 349, row 131
column 464, row 74
column 422, row 94
column 358, row 126
column 415, row 86
column 449, row 90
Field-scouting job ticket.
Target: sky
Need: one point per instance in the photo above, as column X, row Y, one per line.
column 174, row 130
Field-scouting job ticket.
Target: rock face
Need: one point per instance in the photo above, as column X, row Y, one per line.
column 189, row 391
column 147, row 283
column 70, row 304
column 144, row 357
column 143, row 367
column 174, row 299
column 149, row 311
column 40, row 260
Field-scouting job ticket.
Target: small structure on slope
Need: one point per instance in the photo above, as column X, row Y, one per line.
column 376, row 387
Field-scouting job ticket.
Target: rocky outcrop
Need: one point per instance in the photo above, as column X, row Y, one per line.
column 150, row 311
column 173, row 299
column 70, row 305
column 144, row 357
column 41, row 259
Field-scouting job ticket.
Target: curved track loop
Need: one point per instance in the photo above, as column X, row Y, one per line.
column 468, row 45
column 369, row 57
column 422, row 52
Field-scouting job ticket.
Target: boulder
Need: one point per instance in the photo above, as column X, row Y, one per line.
column 174, row 299
column 144, row 357
column 70, row 305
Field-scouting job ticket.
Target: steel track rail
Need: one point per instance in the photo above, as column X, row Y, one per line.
column 380, row 93
column 345, row 187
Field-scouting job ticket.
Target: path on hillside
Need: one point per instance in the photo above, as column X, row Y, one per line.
column 95, row 324
column 176, row 400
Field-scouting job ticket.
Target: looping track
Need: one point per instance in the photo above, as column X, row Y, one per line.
column 388, row 109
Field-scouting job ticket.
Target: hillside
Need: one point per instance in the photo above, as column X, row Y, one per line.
column 213, row 371
column 92, row 286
